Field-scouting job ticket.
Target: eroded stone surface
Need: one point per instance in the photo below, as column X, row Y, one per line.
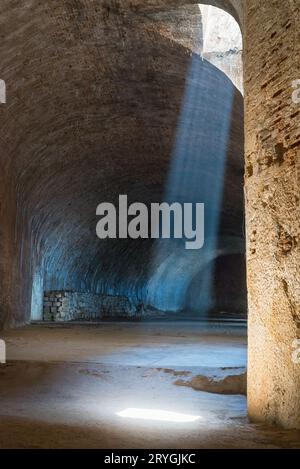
column 273, row 212
column 218, row 381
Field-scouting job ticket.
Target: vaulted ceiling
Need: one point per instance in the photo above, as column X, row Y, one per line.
column 95, row 91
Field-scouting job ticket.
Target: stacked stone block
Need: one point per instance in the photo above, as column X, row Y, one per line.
column 68, row 306
column 56, row 306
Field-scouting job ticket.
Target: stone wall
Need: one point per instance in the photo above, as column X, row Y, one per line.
column 272, row 63
column 72, row 306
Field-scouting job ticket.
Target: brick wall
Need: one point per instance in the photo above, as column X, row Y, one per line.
column 70, row 306
column 272, row 62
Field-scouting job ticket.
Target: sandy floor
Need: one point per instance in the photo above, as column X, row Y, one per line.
column 136, row 344
column 63, row 387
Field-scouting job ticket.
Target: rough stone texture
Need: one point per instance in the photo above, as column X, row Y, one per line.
column 72, row 306
column 219, row 381
column 94, row 95
column 272, row 62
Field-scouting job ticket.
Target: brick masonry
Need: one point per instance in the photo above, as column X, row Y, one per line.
column 272, row 62
column 71, row 306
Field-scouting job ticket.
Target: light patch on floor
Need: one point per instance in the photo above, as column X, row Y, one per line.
column 67, row 387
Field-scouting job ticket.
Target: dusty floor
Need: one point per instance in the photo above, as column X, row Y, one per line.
column 64, row 386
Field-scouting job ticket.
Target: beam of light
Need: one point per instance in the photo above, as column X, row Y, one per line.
column 159, row 415
column 196, row 174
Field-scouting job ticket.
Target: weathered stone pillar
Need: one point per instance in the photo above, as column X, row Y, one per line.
column 272, row 63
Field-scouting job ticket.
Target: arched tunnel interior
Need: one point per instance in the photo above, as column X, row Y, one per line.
column 139, row 341
column 107, row 100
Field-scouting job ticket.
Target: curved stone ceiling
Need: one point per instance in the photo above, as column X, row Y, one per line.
column 234, row 7
column 95, row 91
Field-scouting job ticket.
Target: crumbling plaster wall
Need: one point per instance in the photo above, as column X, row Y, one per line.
column 272, row 62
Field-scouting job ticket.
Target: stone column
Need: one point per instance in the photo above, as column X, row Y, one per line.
column 272, row 191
